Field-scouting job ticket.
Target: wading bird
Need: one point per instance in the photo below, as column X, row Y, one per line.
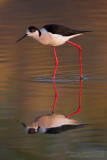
column 54, row 35
column 51, row 123
column 54, row 123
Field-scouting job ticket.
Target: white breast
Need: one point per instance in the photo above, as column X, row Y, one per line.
column 48, row 38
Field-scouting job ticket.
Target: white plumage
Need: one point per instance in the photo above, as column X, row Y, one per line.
column 47, row 38
column 49, row 121
column 52, row 34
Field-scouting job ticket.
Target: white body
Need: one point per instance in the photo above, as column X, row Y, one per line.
column 50, row 121
column 48, row 38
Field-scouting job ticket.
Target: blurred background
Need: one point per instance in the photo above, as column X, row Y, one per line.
column 26, row 71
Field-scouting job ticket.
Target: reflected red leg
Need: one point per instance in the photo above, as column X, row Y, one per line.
column 56, row 60
column 79, row 108
column 56, row 96
column 81, row 76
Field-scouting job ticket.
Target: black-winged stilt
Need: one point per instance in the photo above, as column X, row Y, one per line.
column 51, row 123
column 54, row 35
column 54, row 123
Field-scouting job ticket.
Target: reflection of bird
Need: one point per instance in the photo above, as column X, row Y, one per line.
column 54, row 35
column 51, row 123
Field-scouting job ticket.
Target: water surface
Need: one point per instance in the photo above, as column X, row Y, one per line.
column 26, row 87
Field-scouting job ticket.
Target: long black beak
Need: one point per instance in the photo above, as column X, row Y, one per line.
column 21, row 38
column 23, row 124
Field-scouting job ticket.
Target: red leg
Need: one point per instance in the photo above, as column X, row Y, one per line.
column 81, row 76
column 79, row 108
column 56, row 60
column 56, row 96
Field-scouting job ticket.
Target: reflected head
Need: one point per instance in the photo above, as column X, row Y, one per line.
column 31, row 131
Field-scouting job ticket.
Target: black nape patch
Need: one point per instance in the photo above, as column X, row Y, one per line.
column 33, row 29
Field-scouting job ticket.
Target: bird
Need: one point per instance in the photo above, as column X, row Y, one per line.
column 51, row 123
column 54, row 35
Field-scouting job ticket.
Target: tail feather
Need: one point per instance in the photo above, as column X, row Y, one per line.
column 84, row 31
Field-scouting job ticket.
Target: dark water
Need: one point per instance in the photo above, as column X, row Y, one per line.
column 26, row 87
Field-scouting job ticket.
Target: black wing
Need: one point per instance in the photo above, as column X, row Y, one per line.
column 64, row 31
column 63, row 128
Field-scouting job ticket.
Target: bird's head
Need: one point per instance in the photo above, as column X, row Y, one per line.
column 32, row 128
column 31, row 31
